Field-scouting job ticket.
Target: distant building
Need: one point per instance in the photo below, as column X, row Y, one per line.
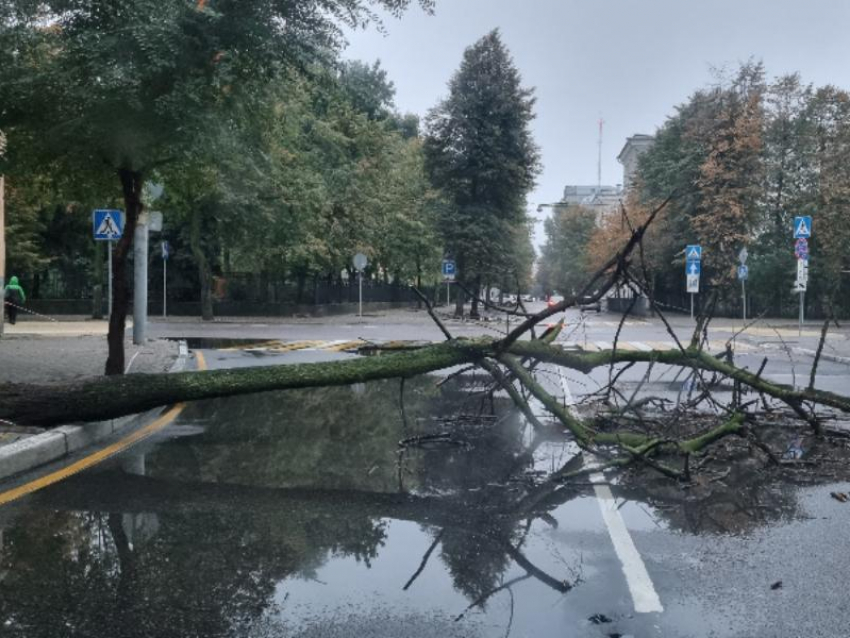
column 635, row 146
column 606, row 200
column 603, row 200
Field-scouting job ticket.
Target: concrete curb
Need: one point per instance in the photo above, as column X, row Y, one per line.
column 823, row 355
column 46, row 447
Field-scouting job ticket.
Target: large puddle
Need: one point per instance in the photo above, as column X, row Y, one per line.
column 334, row 512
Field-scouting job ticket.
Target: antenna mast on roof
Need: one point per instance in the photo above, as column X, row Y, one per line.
column 599, row 161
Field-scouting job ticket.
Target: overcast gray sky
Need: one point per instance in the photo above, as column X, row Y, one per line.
column 628, row 61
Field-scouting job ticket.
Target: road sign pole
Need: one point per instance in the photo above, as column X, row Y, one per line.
column 802, row 312
column 360, row 280
column 744, row 299
column 109, row 277
column 164, row 286
column 448, row 293
column 692, row 305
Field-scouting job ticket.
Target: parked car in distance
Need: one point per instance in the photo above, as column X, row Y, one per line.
column 588, row 304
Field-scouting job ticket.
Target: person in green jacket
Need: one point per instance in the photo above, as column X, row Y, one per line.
column 14, row 297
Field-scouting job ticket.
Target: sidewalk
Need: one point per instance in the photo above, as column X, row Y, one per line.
column 51, row 352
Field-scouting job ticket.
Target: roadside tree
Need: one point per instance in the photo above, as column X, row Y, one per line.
column 480, row 153
column 126, row 89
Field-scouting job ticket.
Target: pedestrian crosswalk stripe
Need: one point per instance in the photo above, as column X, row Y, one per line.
column 341, row 346
column 647, row 346
column 296, row 345
column 252, row 346
column 627, row 345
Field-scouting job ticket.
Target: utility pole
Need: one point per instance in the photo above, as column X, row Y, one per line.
column 599, row 161
column 140, row 278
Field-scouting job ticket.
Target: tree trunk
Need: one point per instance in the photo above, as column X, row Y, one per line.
column 106, row 398
column 476, row 291
column 204, row 270
column 131, row 185
column 460, row 299
column 459, row 294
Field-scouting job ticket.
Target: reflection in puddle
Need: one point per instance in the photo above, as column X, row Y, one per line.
column 300, row 514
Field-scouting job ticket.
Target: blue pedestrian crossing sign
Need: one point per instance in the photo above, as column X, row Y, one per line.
column 693, row 252
column 693, row 268
column 449, row 269
column 107, row 225
column 743, row 272
column 802, row 227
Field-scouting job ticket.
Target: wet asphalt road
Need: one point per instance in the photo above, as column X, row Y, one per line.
column 272, row 516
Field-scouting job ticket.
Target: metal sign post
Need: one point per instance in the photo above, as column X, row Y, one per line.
column 360, row 262
column 802, row 233
column 449, row 271
column 109, row 279
column 166, row 250
column 693, row 269
column 743, row 274
column 108, row 226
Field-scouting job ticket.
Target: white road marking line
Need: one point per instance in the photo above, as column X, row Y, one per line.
column 131, row 362
column 644, row 596
column 628, row 346
column 641, row 346
column 568, row 396
column 604, row 345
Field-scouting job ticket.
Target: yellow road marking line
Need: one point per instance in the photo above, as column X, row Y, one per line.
column 346, row 345
column 100, row 455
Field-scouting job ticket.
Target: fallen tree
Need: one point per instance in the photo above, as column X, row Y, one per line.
column 617, row 428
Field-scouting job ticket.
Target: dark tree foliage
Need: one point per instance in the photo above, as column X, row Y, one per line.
column 125, row 87
column 480, row 151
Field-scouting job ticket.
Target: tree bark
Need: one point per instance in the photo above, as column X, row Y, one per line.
column 204, row 270
column 476, row 292
column 100, row 399
column 131, row 185
column 459, row 294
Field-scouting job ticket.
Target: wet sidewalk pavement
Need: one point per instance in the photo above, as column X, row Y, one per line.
column 47, row 352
